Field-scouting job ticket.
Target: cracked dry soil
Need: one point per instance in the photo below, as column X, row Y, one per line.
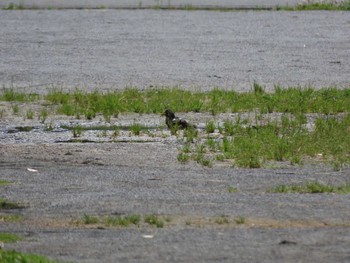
column 67, row 180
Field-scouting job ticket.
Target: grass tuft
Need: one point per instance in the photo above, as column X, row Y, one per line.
column 9, row 238
column 311, row 187
column 4, row 182
column 5, row 204
column 88, row 219
column 10, row 256
column 154, row 220
column 240, row 220
column 124, row 221
column 136, row 129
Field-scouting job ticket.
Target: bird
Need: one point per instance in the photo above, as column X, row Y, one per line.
column 175, row 123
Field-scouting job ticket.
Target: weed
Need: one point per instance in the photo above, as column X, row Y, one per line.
column 220, row 157
column 186, row 148
column 2, row 113
column 222, row 220
column 212, row 144
column 4, row 182
column 291, row 100
column 77, row 131
column 5, row 204
column 88, row 219
column 136, row 129
column 43, row 115
column 124, row 221
column 9, row 256
column 15, row 109
column 232, row 189
column 183, row 157
column 252, row 146
column 30, row 114
column 104, row 133
column 154, row 220
column 311, row 187
column 49, row 127
column 116, row 132
column 201, row 159
column 9, row 238
column 12, row 6
column 240, row 220
column 258, row 89
column 11, row 218
column 188, row 222
column 206, row 162
column 210, row 127
column 190, row 134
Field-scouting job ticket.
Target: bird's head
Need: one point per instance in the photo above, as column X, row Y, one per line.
column 169, row 114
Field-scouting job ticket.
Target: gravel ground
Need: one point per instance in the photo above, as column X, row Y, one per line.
column 149, row 3
column 103, row 179
column 111, row 49
column 60, row 182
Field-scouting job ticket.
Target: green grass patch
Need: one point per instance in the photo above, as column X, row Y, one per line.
column 222, row 220
column 124, row 221
column 5, row 204
column 283, row 139
column 292, row 100
column 18, row 257
column 9, row 237
column 232, row 189
column 89, row 219
column 311, row 187
column 240, row 220
column 210, row 127
column 183, row 157
column 11, row 218
column 136, row 129
column 287, row 141
column 154, row 220
column 323, row 5
column 4, row 182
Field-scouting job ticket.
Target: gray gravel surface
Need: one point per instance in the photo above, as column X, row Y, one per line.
column 110, row 179
column 148, row 3
column 111, row 49
column 108, row 49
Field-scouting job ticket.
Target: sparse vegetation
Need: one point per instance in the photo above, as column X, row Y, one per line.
column 222, row 220
column 154, row 220
column 183, row 157
column 136, row 129
column 30, row 114
column 311, row 187
column 210, row 127
column 77, row 131
column 124, row 221
column 43, row 115
column 4, row 182
column 11, row 218
column 10, row 256
column 88, row 219
column 245, row 142
column 240, row 220
column 5, row 204
column 15, row 109
column 9, row 237
column 286, row 100
column 232, row 189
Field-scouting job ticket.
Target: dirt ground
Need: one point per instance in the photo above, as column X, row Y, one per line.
column 58, row 183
